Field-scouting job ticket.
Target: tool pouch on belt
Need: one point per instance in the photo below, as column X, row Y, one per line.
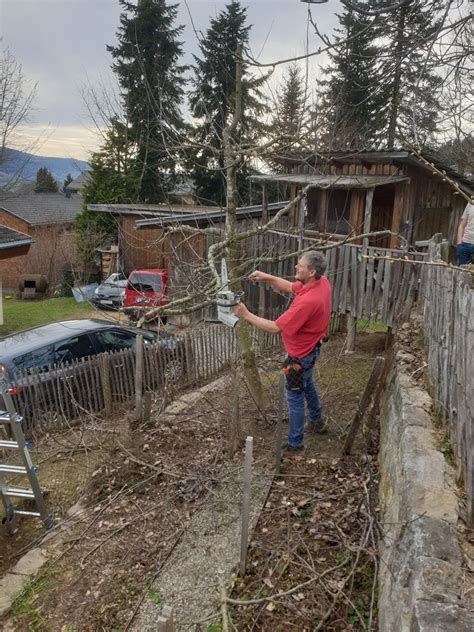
column 293, row 372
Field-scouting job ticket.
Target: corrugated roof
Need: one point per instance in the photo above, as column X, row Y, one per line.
column 151, row 210
column 41, row 208
column 206, row 216
column 330, row 181
column 10, row 238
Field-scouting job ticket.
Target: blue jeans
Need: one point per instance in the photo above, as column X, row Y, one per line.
column 464, row 253
column 296, row 401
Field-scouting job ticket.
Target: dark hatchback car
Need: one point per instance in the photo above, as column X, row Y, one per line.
column 42, row 351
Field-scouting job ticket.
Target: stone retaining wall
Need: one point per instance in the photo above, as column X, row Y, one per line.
column 420, row 558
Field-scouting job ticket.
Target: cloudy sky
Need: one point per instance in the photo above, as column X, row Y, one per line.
column 61, row 45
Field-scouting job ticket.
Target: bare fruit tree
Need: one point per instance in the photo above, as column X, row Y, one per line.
column 16, row 103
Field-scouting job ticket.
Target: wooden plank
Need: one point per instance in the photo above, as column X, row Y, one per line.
column 337, row 283
column 370, row 285
column 376, row 297
column 398, row 208
column 362, row 272
column 343, row 298
column 386, row 290
column 369, row 196
column 354, row 280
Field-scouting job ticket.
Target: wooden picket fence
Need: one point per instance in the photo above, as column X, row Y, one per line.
column 61, row 393
column 371, row 283
column 447, row 297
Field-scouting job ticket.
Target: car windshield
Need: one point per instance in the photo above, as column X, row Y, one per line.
column 142, row 282
column 115, row 278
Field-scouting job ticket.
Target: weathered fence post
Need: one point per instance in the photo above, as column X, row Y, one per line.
column 105, row 374
column 146, row 406
column 235, row 429
column 246, row 505
column 351, row 332
column 138, row 377
column 166, row 620
column 279, row 428
column 364, row 402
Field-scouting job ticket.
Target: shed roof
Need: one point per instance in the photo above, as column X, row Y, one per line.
column 41, row 208
column 151, row 210
column 206, row 216
column 331, row 181
column 10, row 238
column 396, row 155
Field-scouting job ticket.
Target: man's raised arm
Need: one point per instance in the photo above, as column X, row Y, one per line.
column 276, row 282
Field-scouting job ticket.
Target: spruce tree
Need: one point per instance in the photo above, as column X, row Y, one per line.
column 67, row 180
column 353, row 101
column 212, row 103
column 146, row 62
column 414, row 99
column 113, row 179
column 290, row 120
column 45, row 183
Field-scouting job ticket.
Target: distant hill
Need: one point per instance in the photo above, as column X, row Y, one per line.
column 19, row 162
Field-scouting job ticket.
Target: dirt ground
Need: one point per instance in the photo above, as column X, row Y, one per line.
column 140, row 487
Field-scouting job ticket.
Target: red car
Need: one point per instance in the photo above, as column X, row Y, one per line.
column 145, row 290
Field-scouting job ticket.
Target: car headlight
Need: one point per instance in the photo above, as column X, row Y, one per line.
column 96, row 291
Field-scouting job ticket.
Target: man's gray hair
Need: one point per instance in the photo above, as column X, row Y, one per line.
column 316, row 261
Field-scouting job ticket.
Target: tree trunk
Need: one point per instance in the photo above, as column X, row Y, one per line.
column 231, row 154
column 397, row 79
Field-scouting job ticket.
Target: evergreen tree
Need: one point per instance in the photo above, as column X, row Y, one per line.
column 414, row 99
column 146, row 63
column 45, row 183
column 352, row 106
column 67, row 180
column 212, row 103
column 113, row 179
column 290, row 120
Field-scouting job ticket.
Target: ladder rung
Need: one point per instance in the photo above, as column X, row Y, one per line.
column 13, row 469
column 20, row 512
column 8, row 444
column 5, row 418
column 18, row 493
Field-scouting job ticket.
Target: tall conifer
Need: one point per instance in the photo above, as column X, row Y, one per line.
column 146, row 61
column 212, row 102
column 353, row 105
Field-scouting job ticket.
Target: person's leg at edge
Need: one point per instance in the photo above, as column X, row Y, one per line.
column 464, row 253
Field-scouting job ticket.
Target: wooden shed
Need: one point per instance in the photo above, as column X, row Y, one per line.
column 356, row 192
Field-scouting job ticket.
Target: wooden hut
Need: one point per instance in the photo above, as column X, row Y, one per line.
column 355, row 192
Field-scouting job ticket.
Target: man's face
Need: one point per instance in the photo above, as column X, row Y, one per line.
column 302, row 272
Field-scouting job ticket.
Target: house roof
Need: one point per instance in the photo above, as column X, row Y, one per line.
column 41, row 208
column 331, row 181
column 10, row 238
column 79, row 183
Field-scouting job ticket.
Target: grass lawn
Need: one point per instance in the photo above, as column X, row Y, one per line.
column 18, row 315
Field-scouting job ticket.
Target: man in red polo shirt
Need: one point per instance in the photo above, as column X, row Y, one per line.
column 301, row 327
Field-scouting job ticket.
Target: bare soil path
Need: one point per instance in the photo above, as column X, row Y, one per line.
column 160, row 518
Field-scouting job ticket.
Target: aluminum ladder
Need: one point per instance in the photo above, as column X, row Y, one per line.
column 15, row 442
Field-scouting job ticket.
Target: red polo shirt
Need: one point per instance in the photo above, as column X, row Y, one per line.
column 307, row 319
